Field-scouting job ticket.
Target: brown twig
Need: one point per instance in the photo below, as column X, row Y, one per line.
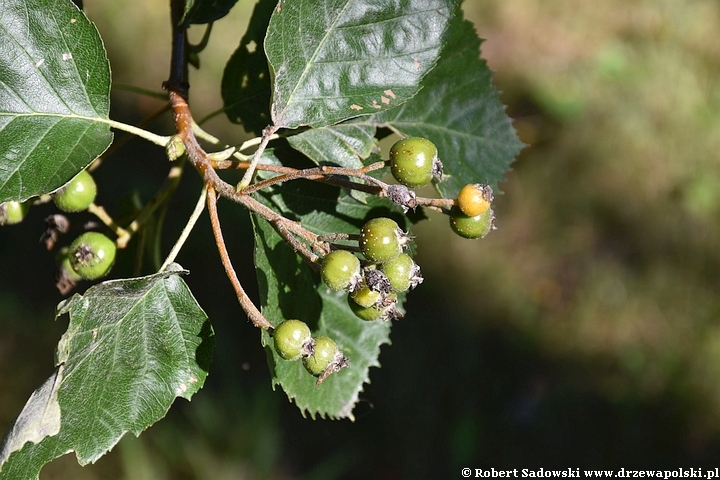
column 250, row 309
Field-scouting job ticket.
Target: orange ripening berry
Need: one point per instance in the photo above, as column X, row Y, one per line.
column 474, row 199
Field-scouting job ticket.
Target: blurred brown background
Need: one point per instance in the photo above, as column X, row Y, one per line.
column 583, row 333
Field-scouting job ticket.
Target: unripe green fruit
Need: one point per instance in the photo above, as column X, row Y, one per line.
column 381, row 240
column 341, row 270
column 412, row 161
column 472, row 227
column 13, row 212
column 367, row 313
column 325, row 353
column 91, row 255
column 77, row 194
column 292, row 339
column 365, row 296
column 384, row 309
column 474, row 199
column 402, row 272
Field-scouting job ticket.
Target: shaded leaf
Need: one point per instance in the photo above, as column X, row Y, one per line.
column 54, row 96
column 245, row 84
column 132, row 346
column 344, row 144
column 460, row 111
column 205, row 11
column 338, row 59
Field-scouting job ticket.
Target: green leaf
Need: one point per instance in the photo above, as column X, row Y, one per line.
column 132, row 346
column 338, row 59
column 245, row 84
column 460, row 111
column 344, row 144
column 289, row 288
column 205, row 11
column 54, row 96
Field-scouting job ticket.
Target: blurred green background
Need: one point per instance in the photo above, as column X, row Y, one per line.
column 585, row 332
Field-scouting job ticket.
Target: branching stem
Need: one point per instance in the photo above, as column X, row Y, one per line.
column 250, row 172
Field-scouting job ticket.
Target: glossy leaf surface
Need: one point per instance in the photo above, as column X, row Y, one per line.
column 338, row 59
column 54, row 96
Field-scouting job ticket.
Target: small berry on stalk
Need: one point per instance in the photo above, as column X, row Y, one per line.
column 77, row 194
column 91, row 255
column 381, row 239
column 414, row 161
column 341, row 270
column 472, row 227
column 475, row 199
column 293, row 340
column 365, row 296
column 12, row 212
column 326, row 359
column 402, row 273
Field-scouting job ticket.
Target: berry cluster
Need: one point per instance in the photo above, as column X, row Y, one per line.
column 374, row 278
column 414, row 163
column 373, row 284
column 472, row 216
column 320, row 355
column 91, row 255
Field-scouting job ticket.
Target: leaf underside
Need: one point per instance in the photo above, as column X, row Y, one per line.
column 54, row 94
column 132, row 346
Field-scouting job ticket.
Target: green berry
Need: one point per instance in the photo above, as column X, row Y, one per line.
column 341, row 270
column 91, row 255
column 472, row 227
column 384, row 309
column 325, row 354
column 293, row 339
column 402, row 272
column 381, row 240
column 13, row 212
column 413, row 161
column 367, row 313
column 474, row 199
column 77, row 194
column 365, row 296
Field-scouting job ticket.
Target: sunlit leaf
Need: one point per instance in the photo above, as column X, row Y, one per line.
column 131, row 347
column 54, row 96
column 460, row 111
column 337, row 59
